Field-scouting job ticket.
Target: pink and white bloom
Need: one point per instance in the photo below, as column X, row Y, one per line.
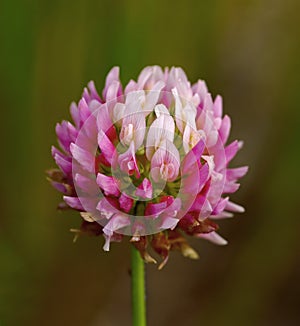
column 149, row 160
column 161, row 130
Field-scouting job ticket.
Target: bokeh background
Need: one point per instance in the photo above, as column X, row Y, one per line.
column 248, row 51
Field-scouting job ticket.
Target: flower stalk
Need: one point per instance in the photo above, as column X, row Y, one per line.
column 138, row 289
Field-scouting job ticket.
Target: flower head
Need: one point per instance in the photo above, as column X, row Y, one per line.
column 150, row 162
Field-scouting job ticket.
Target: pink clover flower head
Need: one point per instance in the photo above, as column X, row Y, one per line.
column 149, row 160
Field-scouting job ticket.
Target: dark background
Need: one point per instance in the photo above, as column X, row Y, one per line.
column 248, row 51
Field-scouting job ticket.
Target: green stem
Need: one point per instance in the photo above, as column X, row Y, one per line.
column 138, row 289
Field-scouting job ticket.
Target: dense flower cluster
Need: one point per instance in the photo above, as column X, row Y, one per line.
column 148, row 161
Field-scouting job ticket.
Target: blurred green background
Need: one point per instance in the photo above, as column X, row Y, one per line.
column 248, row 51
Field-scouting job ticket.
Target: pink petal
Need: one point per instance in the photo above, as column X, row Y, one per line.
column 220, row 206
column 218, row 106
column 231, row 150
column 149, row 76
column 108, row 184
column 161, row 129
column 225, row 129
column 113, row 76
column 63, row 162
column 61, row 187
column 144, row 76
column 84, row 158
column 208, row 102
column 168, row 223
column 127, row 161
column 88, row 185
column 221, row 215
column 112, row 91
column 144, row 190
column 165, row 162
column 178, row 110
column 155, row 209
column 73, row 202
column 236, row 173
column 126, row 202
column 104, row 122
column 173, row 206
column 75, row 114
column 131, row 87
column 198, row 203
column 107, row 207
column 153, row 96
column 195, row 180
column 118, row 113
column 199, row 200
column 217, row 123
column 93, row 91
column 212, row 138
column 235, row 207
column 133, row 125
column 66, row 134
column 89, row 128
column 117, row 222
column 192, row 156
column 201, row 89
column 213, row 237
column 106, row 146
column 90, row 93
column 138, row 229
column 84, row 110
column 177, row 79
column 205, row 211
column 230, row 188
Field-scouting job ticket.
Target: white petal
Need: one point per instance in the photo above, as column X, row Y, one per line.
column 214, row 238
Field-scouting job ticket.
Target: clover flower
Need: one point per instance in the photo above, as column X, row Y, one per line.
column 148, row 161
